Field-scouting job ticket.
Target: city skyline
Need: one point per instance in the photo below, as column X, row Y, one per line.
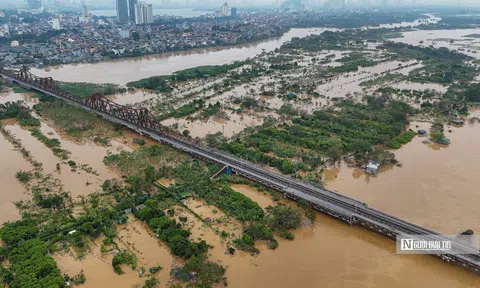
column 236, row 3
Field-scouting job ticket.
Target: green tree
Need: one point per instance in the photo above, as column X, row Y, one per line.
column 283, row 217
column 150, row 174
column 136, row 36
column 334, row 154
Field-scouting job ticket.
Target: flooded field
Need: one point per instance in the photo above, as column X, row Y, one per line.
column 420, row 86
column 12, row 190
column 132, row 97
column 97, row 267
column 451, row 39
column 233, row 124
column 76, row 181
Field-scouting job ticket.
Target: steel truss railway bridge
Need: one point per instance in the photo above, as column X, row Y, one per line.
column 336, row 205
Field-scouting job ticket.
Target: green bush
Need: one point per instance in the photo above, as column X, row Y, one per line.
column 23, row 176
column 124, row 257
column 138, row 141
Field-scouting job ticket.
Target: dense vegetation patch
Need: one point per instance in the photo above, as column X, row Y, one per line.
column 441, row 65
column 348, row 127
column 143, row 157
column 20, row 112
column 124, row 257
column 166, row 83
column 85, row 90
column 33, row 267
column 196, row 179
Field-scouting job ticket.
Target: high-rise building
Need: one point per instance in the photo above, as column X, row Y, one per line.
column 224, row 11
column 233, row 12
column 122, row 11
column 34, row 4
column 131, row 10
column 85, row 11
column 143, row 13
column 56, row 24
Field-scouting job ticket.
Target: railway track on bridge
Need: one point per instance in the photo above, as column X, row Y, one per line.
column 341, row 207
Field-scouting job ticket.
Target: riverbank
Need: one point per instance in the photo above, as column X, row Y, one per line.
column 122, row 71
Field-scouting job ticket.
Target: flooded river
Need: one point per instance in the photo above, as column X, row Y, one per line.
column 458, row 40
column 126, row 70
column 436, row 186
column 123, row 71
column 327, row 253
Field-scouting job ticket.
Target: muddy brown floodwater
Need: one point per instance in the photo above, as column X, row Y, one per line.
column 11, row 191
column 330, row 253
column 436, row 187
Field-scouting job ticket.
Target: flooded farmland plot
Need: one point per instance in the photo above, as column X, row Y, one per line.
column 12, row 190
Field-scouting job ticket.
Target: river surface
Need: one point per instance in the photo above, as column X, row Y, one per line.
column 123, row 71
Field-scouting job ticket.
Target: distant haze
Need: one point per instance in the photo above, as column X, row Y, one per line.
column 239, row 3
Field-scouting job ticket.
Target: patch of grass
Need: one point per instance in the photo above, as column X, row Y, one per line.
column 86, row 90
column 138, row 160
column 406, row 137
column 76, row 122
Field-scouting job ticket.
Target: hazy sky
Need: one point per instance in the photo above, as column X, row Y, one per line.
column 158, row 3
